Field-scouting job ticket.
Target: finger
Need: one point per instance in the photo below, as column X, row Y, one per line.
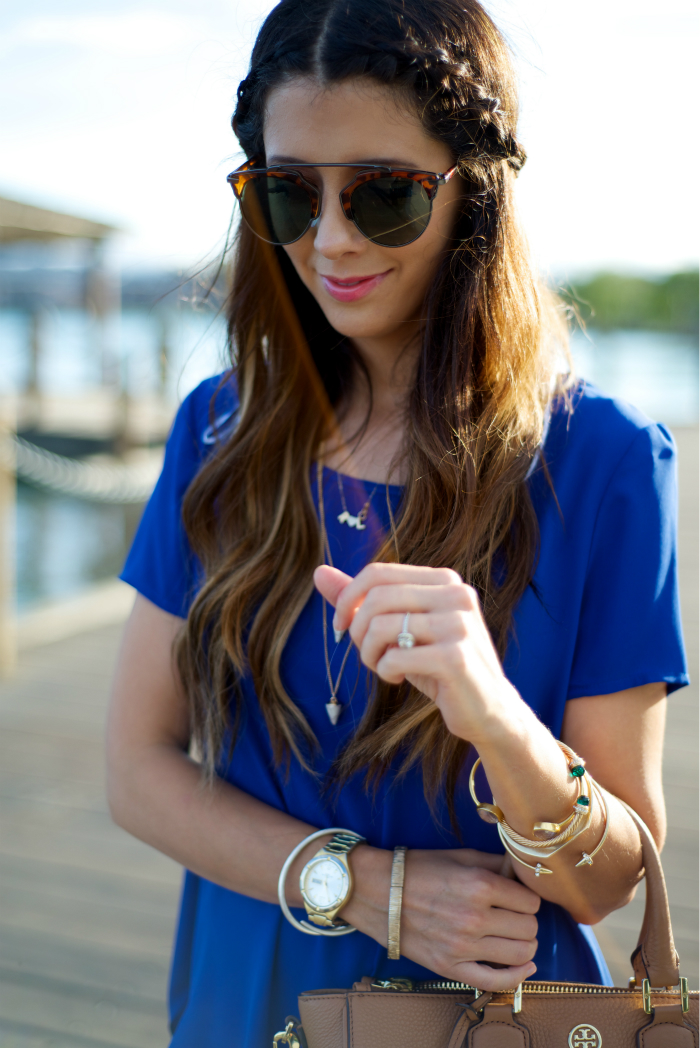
column 507, row 924
column 387, row 574
column 512, row 895
column 383, row 631
column 495, row 949
column 330, row 582
column 485, row 978
column 435, row 661
column 399, row 599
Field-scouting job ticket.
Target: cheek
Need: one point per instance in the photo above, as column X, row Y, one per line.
column 298, row 254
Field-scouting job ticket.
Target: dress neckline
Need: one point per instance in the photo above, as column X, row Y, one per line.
column 359, row 480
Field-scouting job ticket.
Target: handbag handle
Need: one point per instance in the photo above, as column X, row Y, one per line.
column 655, row 957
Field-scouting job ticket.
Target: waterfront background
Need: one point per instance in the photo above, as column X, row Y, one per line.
column 64, row 543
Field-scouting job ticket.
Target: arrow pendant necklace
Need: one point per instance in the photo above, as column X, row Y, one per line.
column 333, row 707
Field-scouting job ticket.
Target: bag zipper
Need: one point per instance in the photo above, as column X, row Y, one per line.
column 446, row 986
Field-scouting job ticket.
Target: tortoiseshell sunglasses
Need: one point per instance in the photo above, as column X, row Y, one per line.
column 389, row 206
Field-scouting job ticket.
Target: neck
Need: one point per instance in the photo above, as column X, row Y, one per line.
column 371, row 423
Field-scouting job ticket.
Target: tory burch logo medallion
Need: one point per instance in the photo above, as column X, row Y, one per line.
column 585, row 1036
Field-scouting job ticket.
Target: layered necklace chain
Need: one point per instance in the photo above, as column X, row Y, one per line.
column 333, row 707
column 346, row 517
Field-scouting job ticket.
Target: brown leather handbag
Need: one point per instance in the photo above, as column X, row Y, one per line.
column 399, row 1014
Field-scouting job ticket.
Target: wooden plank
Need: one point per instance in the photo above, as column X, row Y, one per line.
column 30, row 954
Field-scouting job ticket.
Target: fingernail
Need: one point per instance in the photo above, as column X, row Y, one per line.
column 531, row 969
column 338, row 634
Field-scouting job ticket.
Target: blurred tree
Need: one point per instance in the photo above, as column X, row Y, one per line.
column 616, row 300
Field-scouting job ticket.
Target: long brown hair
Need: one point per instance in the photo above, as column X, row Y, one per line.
column 474, row 417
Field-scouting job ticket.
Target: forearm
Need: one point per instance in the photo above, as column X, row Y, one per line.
column 457, row 911
column 217, row 831
column 528, row 776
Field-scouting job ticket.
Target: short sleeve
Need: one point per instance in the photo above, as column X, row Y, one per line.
column 630, row 625
column 161, row 564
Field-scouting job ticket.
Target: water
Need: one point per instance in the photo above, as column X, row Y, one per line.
column 64, row 544
column 69, row 363
column 655, row 371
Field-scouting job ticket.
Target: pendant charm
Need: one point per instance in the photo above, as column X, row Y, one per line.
column 586, row 860
column 334, row 709
column 352, row 522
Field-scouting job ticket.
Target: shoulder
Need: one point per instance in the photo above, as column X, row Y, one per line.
column 596, row 434
column 207, row 414
column 203, row 421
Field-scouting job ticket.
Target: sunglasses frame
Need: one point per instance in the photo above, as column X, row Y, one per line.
column 429, row 180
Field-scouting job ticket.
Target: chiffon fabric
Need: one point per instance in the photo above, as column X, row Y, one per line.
column 601, row 615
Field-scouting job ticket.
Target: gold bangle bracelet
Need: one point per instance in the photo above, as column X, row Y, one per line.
column 545, row 853
column 538, row 869
column 398, row 869
column 586, row 857
column 567, row 830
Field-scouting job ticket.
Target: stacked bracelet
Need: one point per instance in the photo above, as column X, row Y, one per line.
column 553, row 836
column 398, row 867
column 303, row 926
column 586, row 858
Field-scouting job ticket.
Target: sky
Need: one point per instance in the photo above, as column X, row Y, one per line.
column 119, row 110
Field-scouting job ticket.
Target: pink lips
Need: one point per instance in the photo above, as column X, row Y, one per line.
column 349, row 289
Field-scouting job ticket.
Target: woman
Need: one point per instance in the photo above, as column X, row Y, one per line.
column 391, row 453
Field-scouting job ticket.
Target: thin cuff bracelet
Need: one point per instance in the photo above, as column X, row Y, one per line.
column 398, row 868
column 538, row 869
column 586, row 857
column 303, row 926
column 564, row 831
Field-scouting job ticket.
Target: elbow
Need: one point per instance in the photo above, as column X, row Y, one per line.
column 117, row 797
column 122, row 785
column 593, row 911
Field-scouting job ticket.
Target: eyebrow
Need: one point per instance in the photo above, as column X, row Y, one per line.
column 282, row 161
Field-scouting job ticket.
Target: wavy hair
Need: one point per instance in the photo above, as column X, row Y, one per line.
column 474, row 419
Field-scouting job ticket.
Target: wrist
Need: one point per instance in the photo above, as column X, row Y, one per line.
column 367, row 908
column 504, row 721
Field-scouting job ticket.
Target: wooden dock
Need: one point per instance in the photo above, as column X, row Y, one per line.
column 87, row 912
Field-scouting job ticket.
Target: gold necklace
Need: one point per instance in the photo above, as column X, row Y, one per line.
column 345, row 517
column 333, row 707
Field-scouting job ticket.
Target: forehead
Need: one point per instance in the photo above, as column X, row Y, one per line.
column 354, row 120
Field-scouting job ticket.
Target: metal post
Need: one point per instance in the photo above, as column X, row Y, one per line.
column 8, row 493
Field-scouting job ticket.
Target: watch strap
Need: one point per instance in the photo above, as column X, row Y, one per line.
column 343, row 843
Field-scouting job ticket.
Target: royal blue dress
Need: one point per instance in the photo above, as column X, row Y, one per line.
column 602, row 615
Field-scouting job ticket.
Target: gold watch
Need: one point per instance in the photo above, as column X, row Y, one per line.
column 326, row 880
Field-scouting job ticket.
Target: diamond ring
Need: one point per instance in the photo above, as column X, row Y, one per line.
column 405, row 639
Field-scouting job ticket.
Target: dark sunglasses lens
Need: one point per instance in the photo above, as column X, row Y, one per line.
column 391, row 211
column 276, row 208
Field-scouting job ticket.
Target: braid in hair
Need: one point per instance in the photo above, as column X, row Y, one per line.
column 328, row 39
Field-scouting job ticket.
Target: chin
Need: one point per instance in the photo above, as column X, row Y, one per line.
column 359, row 326
column 353, row 329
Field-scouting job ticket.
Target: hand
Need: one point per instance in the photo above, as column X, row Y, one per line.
column 458, row 914
column 453, row 662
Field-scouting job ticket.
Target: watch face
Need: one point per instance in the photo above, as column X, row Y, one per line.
column 324, row 883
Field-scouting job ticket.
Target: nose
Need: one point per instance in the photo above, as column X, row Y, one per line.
column 334, row 234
